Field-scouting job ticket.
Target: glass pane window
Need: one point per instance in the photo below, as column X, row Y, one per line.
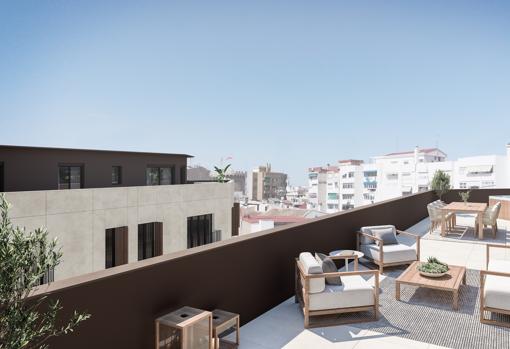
column 63, row 177
column 152, row 176
column 116, row 175
column 159, row 175
column 75, row 172
column 165, row 176
column 69, row 177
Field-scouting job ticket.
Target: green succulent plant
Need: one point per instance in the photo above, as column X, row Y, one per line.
column 433, row 266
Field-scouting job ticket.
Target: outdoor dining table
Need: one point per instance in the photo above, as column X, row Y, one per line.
column 477, row 208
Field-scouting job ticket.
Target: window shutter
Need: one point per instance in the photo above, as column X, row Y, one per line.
column 121, row 245
column 158, row 238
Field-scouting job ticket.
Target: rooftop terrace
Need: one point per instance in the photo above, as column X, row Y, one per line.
column 253, row 275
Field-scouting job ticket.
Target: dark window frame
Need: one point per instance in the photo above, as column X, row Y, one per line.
column 150, row 240
column 200, row 230
column 159, row 167
column 82, row 174
column 48, row 277
column 116, row 240
column 119, row 175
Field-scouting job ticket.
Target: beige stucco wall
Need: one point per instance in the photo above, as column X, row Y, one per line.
column 79, row 217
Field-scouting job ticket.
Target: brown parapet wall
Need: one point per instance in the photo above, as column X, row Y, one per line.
column 247, row 274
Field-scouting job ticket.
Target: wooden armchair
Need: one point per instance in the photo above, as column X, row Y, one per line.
column 495, row 288
column 318, row 298
column 386, row 255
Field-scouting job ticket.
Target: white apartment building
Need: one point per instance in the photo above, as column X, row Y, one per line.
column 317, row 177
column 398, row 174
column 335, row 188
column 405, row 173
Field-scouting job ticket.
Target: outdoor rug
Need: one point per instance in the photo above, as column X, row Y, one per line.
column 426, row 315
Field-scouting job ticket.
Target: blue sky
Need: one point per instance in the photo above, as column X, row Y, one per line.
column 294, row 83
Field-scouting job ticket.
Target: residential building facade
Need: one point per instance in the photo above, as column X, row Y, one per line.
column 353, row 183
column 264, row 184
column 317, row 183
column 103, row 227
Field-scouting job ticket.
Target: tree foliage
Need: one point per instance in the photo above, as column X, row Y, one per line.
column 28, row 322
column 441, row 183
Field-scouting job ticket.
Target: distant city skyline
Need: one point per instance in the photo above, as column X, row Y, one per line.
column 294, row 84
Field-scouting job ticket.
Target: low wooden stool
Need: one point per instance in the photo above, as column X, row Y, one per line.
column 222, row 321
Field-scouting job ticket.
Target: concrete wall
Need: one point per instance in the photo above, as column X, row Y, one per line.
column 79, row 217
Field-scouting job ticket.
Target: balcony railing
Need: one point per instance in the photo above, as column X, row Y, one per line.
column 247, row 274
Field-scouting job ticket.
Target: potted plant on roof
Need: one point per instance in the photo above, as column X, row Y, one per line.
column 464, row 195
column 221, row 173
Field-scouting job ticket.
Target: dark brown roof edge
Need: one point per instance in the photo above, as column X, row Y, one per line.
column 92, row 150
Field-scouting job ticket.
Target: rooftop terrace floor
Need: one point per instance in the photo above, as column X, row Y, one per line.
column 426, row 315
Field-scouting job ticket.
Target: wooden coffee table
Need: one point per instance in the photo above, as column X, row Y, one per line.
column 449, row 282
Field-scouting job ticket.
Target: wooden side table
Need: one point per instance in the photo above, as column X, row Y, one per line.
column 222, row 321
column 347, row 255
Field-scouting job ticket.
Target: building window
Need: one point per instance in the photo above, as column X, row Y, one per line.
column 116, row 246
column 347, row 196
column 116, row 175
column 462, row 185
column 332, row 196
column 150, row 240
column 351, row 174
column 348, row 185
column 47, row 277
column 347, row 207
column 159, row 175
column 70, row 177
column 200, row 230
column 184, row 178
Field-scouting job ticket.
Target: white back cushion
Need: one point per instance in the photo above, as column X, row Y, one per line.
column 368, row 230
column 312, row 266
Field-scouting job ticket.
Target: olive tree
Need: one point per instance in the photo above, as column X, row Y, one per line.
column 441, row 183
column 28, row 322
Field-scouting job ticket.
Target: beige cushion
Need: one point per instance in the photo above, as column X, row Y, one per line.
column 312, row 266
column 368, row 230
column 354, row 292
column 392, row 253
column 497, row 288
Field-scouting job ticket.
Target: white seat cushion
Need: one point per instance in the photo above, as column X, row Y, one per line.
column 312, row 266
column 354, row 292
column 497, row 288
column 392, row 253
